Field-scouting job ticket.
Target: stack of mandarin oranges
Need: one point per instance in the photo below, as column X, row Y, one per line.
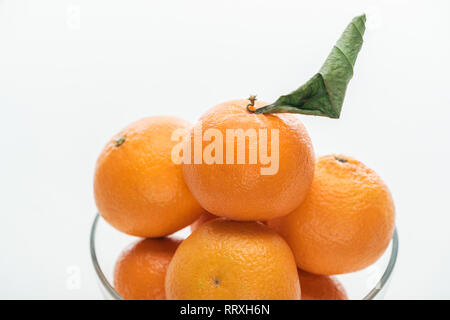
column 254, row 236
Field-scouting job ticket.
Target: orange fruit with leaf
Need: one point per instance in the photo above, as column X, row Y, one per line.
column 331, row 216
column 242, row 188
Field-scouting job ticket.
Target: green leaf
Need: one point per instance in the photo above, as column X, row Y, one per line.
column 323, row 94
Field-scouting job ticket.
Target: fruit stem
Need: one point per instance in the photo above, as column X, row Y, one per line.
column 120, row 141
column 252, row 100
column 341, row 160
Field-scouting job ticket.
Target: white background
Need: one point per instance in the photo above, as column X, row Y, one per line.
column 72, row 73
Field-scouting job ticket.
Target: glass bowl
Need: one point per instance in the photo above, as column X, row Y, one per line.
column 106, row 244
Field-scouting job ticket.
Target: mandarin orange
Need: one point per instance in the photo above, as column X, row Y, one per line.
column 226, row 259
column 240, row 181
column 319, row 287
column 346, row 221
column 140, row 271
column 138, row 188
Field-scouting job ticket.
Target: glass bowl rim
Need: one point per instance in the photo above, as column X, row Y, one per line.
column 370, row 296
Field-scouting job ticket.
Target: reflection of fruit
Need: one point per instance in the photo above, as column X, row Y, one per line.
column 317, row 287
column 140, row 270
column 233, row 260
column 241, row 191
column 345, row 222
column 205, row 217
column 138, row 188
